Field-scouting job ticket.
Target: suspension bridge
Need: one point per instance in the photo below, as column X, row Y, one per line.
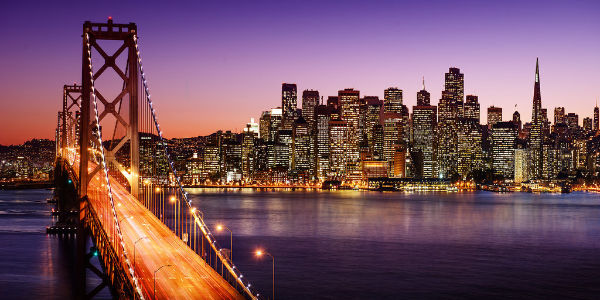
column 117, row 186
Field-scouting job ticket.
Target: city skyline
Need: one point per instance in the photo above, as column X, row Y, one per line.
column 210, row 81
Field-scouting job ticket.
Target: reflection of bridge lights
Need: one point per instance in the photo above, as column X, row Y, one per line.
column 172, row 199
column 157, row 189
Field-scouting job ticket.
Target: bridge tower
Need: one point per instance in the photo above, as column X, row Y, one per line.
column 124, row 33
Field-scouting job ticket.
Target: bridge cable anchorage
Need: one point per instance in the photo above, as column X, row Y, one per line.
column 198, row 221
column 105, row 168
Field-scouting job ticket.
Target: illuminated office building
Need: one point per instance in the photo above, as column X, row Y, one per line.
column 504, row 135
column 338, row 135
column 536, row 135
column 424, row 138
column 289, row 100
column 494, row 115
column 349, row 100
column 392, row 100
column 301, row 146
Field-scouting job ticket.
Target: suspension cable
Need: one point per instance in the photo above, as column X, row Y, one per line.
column 199, row 221
column 110, row 196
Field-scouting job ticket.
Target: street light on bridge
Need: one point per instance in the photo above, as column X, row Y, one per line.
column 135, row 244
column 154, row 294
column 260, row 253
column 220, row 228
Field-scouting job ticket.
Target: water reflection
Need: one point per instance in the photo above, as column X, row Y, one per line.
column 418, row 238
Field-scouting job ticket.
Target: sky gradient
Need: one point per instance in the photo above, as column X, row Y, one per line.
column 215, row 65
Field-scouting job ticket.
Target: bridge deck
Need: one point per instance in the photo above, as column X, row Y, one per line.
column 189, row 277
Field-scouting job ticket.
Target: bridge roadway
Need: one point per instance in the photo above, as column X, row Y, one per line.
column 189, row 277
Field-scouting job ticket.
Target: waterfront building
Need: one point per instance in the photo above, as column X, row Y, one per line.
column 284, row 148
column 211, row 162
column 322, row 116
column 301, row 158
column 372, row 118
column 504, row 135
column 521, row 157
column 536, row 135
column 447, row 135
column 338, row 135
column 349, row 100
column 248, row 153
column 470, row 153
column 378, row 142
column 424, row 138
column 392, row 137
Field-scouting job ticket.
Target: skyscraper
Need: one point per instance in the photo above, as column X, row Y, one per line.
column 559, row 115
column 301, row 145
column 349, row 100
column 289, row 100
column 470, row 155
column 504, row 135
column 392, row 138
column 338, row 135
column 424, row 138
column 310, row 100
column 596, row 126
column 536, row 137
column 517, row 120
column 494, row 115
column 450, row 109
column 323, row 116
column 392, row 100
column 471, row 108
column 372, row 115
column 423, row 96
column 455, row 84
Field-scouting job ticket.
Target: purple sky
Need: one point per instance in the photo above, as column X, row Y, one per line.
column 214, row 65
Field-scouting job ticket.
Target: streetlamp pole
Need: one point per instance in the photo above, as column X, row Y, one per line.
column 220, row 228
column 154, row 294
column 134, row 244
column 260, row 253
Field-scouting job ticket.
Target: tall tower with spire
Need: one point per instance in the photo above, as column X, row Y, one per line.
column 536, row 137
column 596, row 126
